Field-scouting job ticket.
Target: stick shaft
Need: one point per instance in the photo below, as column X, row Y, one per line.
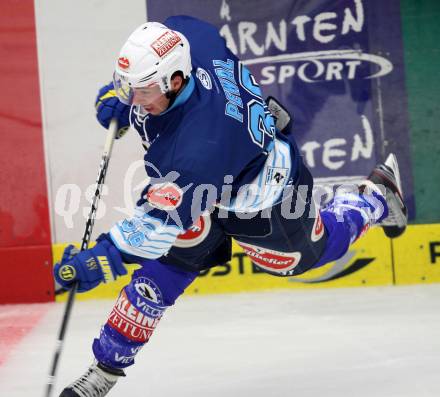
column 84, row 245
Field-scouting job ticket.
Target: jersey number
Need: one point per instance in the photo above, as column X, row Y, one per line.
column 260, row 121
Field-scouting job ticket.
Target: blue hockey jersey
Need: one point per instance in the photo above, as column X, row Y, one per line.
column 215, row 146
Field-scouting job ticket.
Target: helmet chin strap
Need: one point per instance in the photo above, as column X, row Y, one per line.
column 171, row 95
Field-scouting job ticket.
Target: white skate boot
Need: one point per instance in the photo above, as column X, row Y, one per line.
column 96, row 382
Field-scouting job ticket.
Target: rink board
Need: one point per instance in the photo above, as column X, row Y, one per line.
column 374, row 260
column 417, row 255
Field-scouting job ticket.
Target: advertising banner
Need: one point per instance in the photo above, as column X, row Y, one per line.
column 367, row 263
column 336, row 65
column 374, row 260
column 417, row 255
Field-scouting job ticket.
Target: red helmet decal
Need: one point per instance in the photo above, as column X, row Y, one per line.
column 123, row 63
column 165, row 196
column 165, row 43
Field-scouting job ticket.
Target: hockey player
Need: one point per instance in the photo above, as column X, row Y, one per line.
column 220, row 168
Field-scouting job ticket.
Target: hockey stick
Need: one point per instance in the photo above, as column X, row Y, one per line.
column 84, row 245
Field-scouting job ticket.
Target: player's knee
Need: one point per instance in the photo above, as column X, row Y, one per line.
column 338, row 239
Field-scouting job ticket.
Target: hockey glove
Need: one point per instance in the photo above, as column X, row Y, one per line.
column 101, row 263
column 108, row 106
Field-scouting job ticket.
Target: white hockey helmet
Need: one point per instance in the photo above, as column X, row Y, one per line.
column 150, row 56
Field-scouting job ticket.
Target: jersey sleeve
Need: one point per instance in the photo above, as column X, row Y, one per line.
column 168, row 207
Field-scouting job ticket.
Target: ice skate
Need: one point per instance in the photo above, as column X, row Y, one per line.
column 96, row 382
column 387, row 177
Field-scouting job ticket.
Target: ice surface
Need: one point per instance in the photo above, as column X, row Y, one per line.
column 363, row 342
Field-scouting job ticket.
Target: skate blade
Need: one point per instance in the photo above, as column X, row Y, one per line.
column 391, row 162
column 395, row 224
column 396, row 215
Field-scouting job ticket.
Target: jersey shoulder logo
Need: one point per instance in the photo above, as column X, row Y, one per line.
column 165, row 196
column 204, row 78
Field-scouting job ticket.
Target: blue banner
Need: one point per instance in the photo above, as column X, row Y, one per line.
column 336, row 65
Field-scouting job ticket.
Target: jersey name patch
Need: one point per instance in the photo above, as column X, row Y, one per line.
column 165, row 196
column 165, row 43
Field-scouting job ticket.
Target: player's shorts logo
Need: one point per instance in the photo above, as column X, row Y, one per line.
column 204, row 78
column 270, row 260
column 67, row 272
column 195, row 234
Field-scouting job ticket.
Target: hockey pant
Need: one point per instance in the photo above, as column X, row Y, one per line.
column 285, row 240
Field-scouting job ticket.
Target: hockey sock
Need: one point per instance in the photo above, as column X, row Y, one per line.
column 137, row 312
column 346, row 219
